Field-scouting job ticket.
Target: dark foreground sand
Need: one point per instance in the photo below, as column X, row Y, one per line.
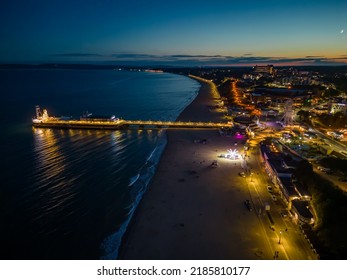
column 192, row 210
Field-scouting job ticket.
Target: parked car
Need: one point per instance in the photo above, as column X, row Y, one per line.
column 269, row 189
column 248, row 205
column 284, row 213
column 324, row 169
column 242, row 174
column 274, row 198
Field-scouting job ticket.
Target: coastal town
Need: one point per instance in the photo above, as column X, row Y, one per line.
column 173, row 139
column 255, row 167
column 262, row 148
column 274, row 183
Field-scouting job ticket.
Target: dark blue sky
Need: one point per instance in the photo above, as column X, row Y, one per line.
column 220, row 32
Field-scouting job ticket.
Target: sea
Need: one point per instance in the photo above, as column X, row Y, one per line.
column 70, row 194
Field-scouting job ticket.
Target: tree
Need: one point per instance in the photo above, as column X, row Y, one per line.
column 303, row 169
column 303, row 115
column 331, row 93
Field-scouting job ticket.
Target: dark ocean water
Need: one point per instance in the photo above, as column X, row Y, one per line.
column 65, row 194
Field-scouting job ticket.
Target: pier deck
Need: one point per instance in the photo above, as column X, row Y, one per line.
column 127, row 124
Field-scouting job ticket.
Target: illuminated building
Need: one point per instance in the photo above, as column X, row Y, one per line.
column 264, row 69
column 280, row 169
column 279, row 96
column 337, row 105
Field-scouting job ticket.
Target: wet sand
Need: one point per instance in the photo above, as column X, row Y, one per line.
column 191, row 209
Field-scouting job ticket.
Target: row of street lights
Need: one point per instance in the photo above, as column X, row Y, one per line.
column 251, row 173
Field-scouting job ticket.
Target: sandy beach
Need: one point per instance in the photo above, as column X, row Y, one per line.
column 192, row 210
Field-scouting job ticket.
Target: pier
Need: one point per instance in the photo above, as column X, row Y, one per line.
column 44, row 121
column 126, row 124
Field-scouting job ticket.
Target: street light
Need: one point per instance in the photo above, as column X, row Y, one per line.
column 279, row 238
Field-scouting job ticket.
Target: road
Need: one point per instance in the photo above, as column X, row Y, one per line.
column 283, row 235
column 335, row 145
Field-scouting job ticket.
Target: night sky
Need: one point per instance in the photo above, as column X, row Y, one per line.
column 189, row 32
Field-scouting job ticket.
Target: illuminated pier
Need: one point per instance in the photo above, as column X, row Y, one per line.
column 43, row 120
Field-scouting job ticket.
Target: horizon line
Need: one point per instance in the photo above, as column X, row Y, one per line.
column 182, row 60
column 153, row 65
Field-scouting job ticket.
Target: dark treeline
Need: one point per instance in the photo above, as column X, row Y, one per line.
column 330, row 204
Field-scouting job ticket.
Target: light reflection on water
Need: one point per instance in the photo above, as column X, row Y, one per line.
column 51, row 180
column 79, row 174
column 48, row 158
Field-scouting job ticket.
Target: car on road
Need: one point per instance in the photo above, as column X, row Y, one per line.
column 284, row 213
column 324, row 169
column 248, row 205
column 274, row 198
column 270, row 189
column 242, row 174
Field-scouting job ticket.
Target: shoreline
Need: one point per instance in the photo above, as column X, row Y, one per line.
column 187, row 212
column 181, row 116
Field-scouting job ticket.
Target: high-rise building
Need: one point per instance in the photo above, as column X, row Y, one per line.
column 264, row 69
